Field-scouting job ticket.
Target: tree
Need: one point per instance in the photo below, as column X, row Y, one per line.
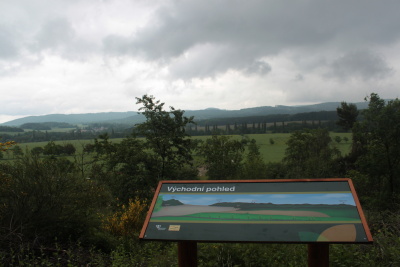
column 348, row 114
column 379, row 145
column 338, row 139
column 17, row 151
column 271, row 141
column 165, row 136
column 52, row 148
column 310, row 154
column 69, row 149
column 223, row 157
column 126, row 168
column 37, row 150
column 253, row 166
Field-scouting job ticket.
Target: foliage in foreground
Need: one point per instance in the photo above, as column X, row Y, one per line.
column 130, row 252
column 53, row 214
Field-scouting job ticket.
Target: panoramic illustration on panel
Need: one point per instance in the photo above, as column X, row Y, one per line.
column 303, row 213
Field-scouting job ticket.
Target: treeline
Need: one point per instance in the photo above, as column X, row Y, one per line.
column 46, row 125
column 260, row 128
column 121, row 131
column 88, row 210
column 43, row 136
column 277, row 123
column 307, row 116
column 84, row 133
column 10, row 129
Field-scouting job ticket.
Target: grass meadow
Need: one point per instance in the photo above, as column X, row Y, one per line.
column 272, row 145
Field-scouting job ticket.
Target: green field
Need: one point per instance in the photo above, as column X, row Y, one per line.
column 270, row 152
column 276, row 151
column 334, row 214
column 345, row 212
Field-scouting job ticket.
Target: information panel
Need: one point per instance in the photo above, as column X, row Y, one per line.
column 293, row 211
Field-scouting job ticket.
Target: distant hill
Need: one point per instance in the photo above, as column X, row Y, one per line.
column 132, row 117
column 77, row 118
column 171, row 202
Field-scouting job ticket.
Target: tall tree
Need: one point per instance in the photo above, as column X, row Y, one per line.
column 125, row 167
column 348, row 114
column 223, row 157
column 310, row 154
column 378, row 134
column 165, row 135
column 253, row 166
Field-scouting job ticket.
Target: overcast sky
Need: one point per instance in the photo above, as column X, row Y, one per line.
column 83, row 56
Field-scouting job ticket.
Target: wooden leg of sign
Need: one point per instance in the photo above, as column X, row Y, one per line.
column 187, row 254
column 318, row 255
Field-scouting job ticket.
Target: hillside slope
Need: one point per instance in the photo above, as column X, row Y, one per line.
column 132, row 117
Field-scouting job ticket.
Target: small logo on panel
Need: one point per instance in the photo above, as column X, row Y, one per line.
column 159, row 228
column 174, row 228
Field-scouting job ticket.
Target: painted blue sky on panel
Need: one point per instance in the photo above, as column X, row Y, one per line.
column 209, row 199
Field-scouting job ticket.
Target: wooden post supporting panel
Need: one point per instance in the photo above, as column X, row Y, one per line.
column 187, row 254
column 318, row 255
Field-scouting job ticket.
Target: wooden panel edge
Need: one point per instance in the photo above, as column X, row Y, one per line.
column 360, row 211
column 150, row 211
column 256, row 181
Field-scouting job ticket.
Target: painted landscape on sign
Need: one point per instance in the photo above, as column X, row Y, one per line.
column 256, row 208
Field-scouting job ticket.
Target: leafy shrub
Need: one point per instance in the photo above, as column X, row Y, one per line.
column 128, row 220
column 385, row 251
column 47, row 198
column 135, row 253
column 211, row 255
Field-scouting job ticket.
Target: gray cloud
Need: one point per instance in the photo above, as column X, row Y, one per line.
column 8, row 47
column 256, row 28
column 55, row 33
column 299, row 77
column 117, row 45
column 258, row 67
column 361, row 64
column 59, row 37
column 210, row 60
column 222, row 53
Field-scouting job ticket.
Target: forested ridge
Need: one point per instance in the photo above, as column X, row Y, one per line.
column 61, row 207
column 132, row 117
column 276, row 123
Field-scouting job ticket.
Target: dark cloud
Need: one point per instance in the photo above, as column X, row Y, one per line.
column 258, row 67
column 58, row 36
column 299, row 77
column 364, row 65
column 55, row 33
column 223, row 51
column 210, row 60
column 257, row 28
column 8, row 48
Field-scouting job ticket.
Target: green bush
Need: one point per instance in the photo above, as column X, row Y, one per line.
column 385, row 251
column 211, row 255
column 43, row 199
